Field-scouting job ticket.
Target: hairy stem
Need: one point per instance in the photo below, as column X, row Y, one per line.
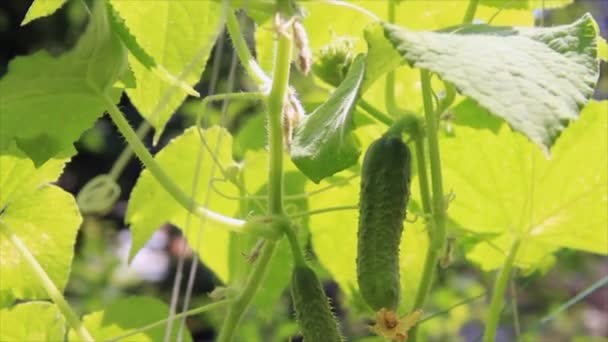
column 242, row 50
column 127, row 152
column 181, row 197
column 437, row 232
column 502, row 280
column 278, row 91
column 46, row 282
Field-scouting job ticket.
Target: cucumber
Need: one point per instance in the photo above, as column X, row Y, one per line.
column 317, row 323
column 385, row 183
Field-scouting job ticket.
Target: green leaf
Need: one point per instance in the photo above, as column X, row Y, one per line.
column 46, row 220
column 175, row 34
column 126, row 315
column 526, row 4
column 602, row 49
column 46, row 103
column 19, row 176
column 42, row 8
column 150, row 205
column 120, row 28
column 518, row 193
column 33, row 321
column 537, row 80
column 381, row 56
column 323, row 143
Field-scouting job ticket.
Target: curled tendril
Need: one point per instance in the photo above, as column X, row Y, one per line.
column 98, row 195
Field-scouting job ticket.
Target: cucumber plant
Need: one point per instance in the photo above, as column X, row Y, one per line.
column 497, row 114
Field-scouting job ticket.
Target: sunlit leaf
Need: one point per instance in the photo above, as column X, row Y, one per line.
column 151, row 205
column 540, row 78
column 526, row 4
column 42, row 8
column 178, row 35
column 19, row 176
column 126, row 315
column 33, row 321
column 46, row 220
column 46, row 103
column 518, row 193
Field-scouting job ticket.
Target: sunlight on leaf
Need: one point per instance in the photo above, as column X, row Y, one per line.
column 33, row 321
column 19, row 176
column 548, row 204
column 126, row 315
column 46, row 220
column 151, row 206
column 541, row 78
column 54, row 100
column 42, row 8
column 178, row 36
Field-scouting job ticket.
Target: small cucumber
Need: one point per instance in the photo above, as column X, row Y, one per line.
column 317, row 323
column 385, row 183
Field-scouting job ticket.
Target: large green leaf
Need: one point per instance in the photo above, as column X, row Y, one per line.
column 518, row 193
column 33, row 321
column 323, row 143
column 126, row 315
column 19, row 176
column 178, row 35
column 535, row 79
column 526, row 4
column 150, row 205
column 42, row 8
column 46, row 103
column 46, row 220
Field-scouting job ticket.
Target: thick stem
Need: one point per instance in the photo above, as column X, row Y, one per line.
column 280, row 83
column 437, row 232
column 242, row 50
column 470, row 13
column 144, row 155
column 432, row 254
column 296, row 251
column 240, row 304
column 502, row 280
column 438, row 203
column 276, row 100
column 46, row 282
column 389, row 86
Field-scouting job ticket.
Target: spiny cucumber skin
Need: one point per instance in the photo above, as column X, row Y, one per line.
column 317, row 322
column 385, row 178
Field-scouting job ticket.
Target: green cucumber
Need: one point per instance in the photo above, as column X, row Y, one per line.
column 385, row 183
column 317, row 322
